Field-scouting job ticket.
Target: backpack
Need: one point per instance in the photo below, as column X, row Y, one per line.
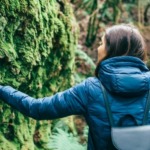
column 128, row 138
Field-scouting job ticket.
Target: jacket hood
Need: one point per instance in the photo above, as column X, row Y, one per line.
column 124, row 75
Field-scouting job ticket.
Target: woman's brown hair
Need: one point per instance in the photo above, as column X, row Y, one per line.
column 123, row 40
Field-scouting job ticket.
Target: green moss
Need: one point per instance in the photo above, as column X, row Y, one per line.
column 37, row 43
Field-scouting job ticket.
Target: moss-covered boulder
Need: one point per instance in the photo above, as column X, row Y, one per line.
column 37, row 43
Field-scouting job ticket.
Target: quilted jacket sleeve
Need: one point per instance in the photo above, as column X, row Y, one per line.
column 70, row 102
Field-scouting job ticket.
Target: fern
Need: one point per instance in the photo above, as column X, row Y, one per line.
column 64, row 141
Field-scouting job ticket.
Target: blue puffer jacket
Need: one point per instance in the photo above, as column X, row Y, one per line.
column 127, row 81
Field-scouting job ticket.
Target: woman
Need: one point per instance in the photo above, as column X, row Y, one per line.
column 123, row 73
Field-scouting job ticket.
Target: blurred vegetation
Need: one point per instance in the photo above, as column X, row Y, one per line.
column 85, row 67
column 103, row 13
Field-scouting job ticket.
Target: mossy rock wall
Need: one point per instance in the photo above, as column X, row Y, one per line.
column 37, row 43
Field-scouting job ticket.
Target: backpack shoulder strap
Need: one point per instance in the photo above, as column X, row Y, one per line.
column 107, row 106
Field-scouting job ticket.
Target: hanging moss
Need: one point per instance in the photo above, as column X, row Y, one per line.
column 37, row 43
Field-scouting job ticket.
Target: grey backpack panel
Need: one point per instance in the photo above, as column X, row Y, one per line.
column 131, row 138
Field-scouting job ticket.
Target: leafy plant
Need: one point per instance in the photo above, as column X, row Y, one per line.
column 64, row 141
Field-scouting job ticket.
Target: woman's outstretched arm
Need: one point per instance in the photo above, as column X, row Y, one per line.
column 69, row 102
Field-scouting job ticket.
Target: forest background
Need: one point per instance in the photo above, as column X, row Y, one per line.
column 47, row 46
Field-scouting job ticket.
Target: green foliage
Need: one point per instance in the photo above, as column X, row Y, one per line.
column 85, row 67
column 37, row 43
column 89, row 5
column 65, row 141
